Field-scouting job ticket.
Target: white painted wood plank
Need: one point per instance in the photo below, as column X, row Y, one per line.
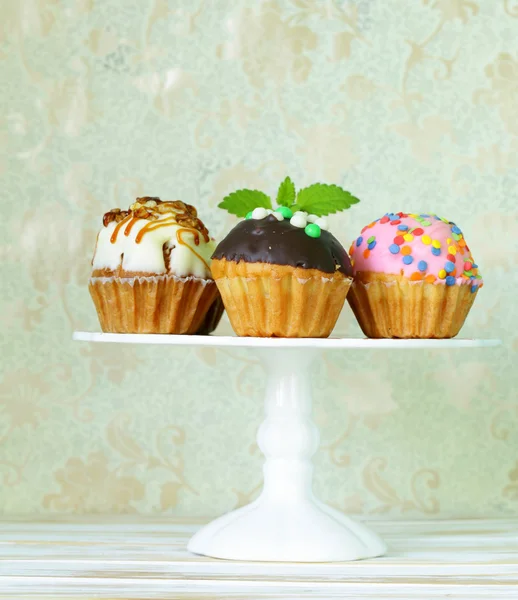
column 123, row 558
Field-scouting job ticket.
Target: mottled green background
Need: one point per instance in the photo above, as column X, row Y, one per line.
column 411, row 104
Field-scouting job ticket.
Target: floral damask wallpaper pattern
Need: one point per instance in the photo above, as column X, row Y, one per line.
column 410, row 104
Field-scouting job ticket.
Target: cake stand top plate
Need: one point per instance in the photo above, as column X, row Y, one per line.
column 332, row 343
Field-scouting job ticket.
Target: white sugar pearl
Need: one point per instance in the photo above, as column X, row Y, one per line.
column 323, row 223
column 312, row 218
column 269, row 211
column 259, row 213
column 300, row 213
column 298, row 220
column 278, row 216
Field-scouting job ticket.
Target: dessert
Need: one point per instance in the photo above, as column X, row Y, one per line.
column 151, row 270
column 281, row 273
column 414, row 277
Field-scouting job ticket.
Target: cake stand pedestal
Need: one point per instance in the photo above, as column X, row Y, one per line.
column 286, row 522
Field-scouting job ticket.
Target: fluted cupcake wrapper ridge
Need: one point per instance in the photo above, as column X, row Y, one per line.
column 264, row 300
column 156, row 304
column 391, row 306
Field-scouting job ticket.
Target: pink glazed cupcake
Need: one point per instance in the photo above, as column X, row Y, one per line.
column 414, row 277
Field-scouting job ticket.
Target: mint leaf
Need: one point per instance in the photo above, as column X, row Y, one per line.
column 286, row 193
column 321, row 199
column 241, row 202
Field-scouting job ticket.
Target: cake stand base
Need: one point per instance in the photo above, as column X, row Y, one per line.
column 310, row 532
column 287, row 523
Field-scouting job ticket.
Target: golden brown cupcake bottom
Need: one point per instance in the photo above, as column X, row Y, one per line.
column 264, row 300
column 391, row 306
column 153, row 304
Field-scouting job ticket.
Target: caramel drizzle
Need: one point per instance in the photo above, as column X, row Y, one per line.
column 157, row 225
column 152, row 226
column 205, row 237
column 115, row 233
column 128, row 229
column 196, row 241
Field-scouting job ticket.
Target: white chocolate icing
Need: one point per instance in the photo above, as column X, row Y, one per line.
column 186, row 258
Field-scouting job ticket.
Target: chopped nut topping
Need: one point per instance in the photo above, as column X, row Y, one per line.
column 151, row 208
column 115, row 214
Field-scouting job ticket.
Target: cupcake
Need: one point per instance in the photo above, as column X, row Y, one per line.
column 414, row 277
column 151, row 270
column 282, row 276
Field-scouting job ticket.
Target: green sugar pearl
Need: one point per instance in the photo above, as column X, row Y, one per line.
column 285, row 212
column 313, row 230
column 248, row 215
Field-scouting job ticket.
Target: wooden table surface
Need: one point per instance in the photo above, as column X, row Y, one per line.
column 139, row 558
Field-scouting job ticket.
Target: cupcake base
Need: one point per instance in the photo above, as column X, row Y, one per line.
column 391, row 306
column 154, row 304
column 264, row 300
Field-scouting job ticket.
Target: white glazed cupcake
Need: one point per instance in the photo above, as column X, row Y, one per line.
column 151, row 270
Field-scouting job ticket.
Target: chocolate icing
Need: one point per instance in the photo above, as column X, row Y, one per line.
column 281, row 243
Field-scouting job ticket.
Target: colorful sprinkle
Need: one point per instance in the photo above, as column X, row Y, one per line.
column 402, row 227
column 474, row 289
column 450, row 280
column 313, row 230
column 406, row 250
column 449, row 266
column 455, row 229
column 457, row 237
column 394, row 248
column 452, row 250
column 468, row 265
column 372, row 245
column 418, row 231
column 451, row 258
column 416, row 276
column 399, row 240
column 408, row 260
column 475, row 266
column 384, row 220
column 359, row 241
column 436, row 251
column 442, row 274
column 366, row 253
column 436, row 243
column 286, row 212
column 430, row 278
column 371, row 239
column 426, row 239
column 408, row 237
column 396, row 222
column 393, row 217
column 425, row 223
column 422, row 265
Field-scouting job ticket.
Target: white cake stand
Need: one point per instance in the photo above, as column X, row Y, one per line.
column 286, row 522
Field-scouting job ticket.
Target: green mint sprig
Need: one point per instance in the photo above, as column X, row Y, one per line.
column 318, row 199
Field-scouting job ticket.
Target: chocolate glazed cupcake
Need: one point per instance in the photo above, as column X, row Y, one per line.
column 282, row 277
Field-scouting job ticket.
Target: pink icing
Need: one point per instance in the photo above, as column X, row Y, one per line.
column 448, row 264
